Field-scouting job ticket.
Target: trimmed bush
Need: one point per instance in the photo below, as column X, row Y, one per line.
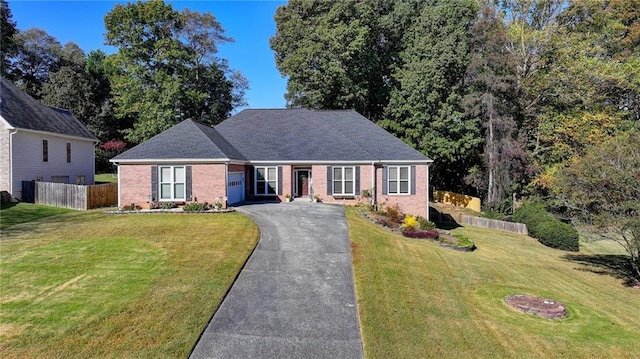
column 546, row 228
column 195, row 206
column 556, row 234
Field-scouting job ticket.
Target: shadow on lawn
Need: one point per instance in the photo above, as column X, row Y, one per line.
column 615, row 265
column 442, row 220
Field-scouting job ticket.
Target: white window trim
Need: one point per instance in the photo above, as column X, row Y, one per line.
column 343, row 180
column 398, row 180
column 266, row 181
column 172, row 183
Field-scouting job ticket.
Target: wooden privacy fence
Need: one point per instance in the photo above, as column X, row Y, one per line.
column 462, row 219
column 76, row 196
column 519, row 228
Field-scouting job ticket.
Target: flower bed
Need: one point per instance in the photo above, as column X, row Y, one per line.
column 416, row 227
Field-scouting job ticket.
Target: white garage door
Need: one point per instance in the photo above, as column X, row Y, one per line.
column 235, row 187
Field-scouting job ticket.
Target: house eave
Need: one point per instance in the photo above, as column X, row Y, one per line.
column 320, row 162
column 177, row 160
column 57, row 134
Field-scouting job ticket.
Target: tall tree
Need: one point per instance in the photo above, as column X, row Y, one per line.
column 341, row 54
column 38, row 55
column 8, row 47
column 492, row 96
column 593, row 85
column 425, row 109
column 166, row 68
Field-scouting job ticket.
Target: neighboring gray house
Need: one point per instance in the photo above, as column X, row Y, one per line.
column 41, row 143
column 340, row 156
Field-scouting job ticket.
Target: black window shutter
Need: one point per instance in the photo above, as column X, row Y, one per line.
column 188, row 184
column 385, row 176
column 329, row 180
column 413, row 179
column 357, row 180
column 280, row 180
column 154, row 183
column 252, row 176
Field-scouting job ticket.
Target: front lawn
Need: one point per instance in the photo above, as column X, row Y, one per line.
column 93, row 285
column 106, row 178
column 419, row 300
column 14, row 213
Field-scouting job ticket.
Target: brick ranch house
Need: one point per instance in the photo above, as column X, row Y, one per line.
column 266, row 154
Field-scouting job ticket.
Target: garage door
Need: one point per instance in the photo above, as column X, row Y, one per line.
column 235, row 187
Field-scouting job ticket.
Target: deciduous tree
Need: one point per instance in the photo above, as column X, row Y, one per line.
column 166, row 69
column 603, row 189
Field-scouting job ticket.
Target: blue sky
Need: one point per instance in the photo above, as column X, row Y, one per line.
column 250, row 23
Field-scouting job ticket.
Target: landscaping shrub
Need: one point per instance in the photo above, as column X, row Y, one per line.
column 424, row 224
column 556, row 234
column 421, row 234
column 410, row 223
column 543, row 226
column 195, row 206
column 388, row 222
column 393, row 213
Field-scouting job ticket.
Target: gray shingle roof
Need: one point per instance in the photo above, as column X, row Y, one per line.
column 22, row 111
column 186, row 140
column 306, row 135
column 292, row 135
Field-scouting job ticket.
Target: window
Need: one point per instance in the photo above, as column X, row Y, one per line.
column 398, row 179
column 172, row 183
column 45, row 151
column 68, row 152
column 60, row 179
column 80, row 180
column 344, row 181
column 266, row 181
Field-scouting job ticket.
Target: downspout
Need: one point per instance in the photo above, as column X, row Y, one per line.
column 11, row 161
column 427, row 217
column 373, row 185
column 119, row 181
column 226, row 184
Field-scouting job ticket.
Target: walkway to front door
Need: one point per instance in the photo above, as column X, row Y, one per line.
column 295, row 297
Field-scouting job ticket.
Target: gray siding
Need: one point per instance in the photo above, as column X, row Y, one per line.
column 28, row 164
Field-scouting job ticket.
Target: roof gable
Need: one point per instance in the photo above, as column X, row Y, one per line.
column 186, row 140
column 24, row 112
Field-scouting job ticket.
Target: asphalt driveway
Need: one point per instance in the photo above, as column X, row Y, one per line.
column 295, row 297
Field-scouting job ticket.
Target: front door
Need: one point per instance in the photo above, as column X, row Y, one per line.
column 302, row 182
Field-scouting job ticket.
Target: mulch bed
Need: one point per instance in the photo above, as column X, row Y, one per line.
column 445, row 239
column 542, row 307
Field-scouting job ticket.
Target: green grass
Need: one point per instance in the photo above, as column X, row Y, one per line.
column 87, row 284
column 419, row 300
column 106, row 177
column 15, row 213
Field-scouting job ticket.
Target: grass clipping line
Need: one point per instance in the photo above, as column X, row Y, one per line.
column 117, row 286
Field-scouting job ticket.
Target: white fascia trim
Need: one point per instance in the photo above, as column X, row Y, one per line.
column 405, row 161
column 362, row 162
column 55, row 134
column 174, row 160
